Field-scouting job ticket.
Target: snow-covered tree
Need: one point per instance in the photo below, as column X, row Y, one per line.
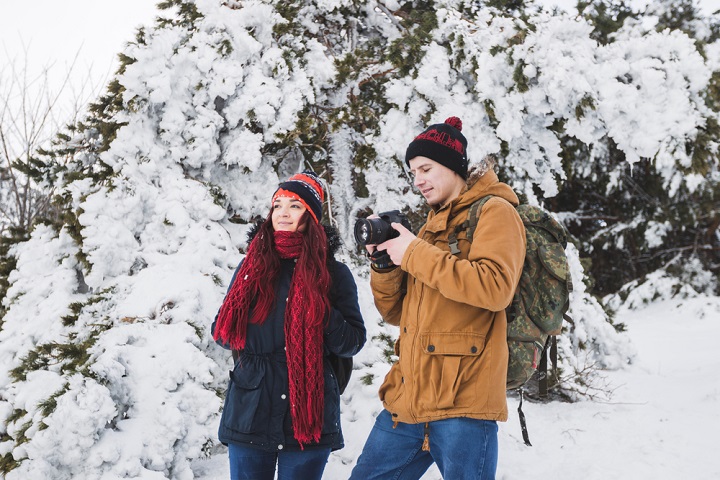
column 30, row 115
column 105, row 343
column 634, row 216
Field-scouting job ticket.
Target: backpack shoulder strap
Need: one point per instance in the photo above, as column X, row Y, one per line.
column 469, row 224
column 474, row 216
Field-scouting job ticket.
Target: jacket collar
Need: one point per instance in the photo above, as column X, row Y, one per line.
column 438, row 219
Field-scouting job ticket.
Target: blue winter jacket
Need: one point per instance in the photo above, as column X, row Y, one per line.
column 257, row 410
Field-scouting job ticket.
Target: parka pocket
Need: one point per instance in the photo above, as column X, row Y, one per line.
column 449, row 361
column 243, row 397
column 392, row 388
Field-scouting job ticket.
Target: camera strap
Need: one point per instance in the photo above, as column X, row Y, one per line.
column 381, row 259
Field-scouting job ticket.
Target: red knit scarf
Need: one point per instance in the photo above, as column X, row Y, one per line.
column 304, row 317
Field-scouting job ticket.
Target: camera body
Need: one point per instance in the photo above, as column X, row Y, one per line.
column 372, row 231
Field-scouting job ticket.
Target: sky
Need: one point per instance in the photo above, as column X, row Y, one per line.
column 57, row 33
column 51, row 34
column 54, row 32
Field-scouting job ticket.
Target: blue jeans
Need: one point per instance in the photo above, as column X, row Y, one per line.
column 248, row 463
column 463, row 448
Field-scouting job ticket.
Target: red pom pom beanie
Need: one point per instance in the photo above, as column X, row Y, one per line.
column 443, row 143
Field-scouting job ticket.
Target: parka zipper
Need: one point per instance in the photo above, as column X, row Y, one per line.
column 413, row 351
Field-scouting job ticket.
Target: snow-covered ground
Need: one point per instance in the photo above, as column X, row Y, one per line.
column 660, row 422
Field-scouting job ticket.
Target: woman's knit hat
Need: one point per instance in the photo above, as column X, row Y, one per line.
column 306, row 188
column 442, row 143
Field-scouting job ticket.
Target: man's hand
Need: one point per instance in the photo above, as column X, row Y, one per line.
column 396, row 246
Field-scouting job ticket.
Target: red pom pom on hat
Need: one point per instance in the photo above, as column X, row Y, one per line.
column 454, row 122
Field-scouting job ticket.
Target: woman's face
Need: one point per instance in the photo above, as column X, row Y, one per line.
column 287, row 214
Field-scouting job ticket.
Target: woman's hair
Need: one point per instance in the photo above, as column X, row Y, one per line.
column 311, row 262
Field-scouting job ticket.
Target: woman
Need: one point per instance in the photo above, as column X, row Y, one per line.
column 289, row 307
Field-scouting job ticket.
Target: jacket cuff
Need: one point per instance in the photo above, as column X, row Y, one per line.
column 383, row 270
column 411, row 248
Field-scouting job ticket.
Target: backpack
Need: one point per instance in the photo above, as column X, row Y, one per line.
column 541, row 300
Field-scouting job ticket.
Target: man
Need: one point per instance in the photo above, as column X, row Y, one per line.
column 446, row 392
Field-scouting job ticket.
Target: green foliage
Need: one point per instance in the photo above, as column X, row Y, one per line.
column 186, row 16
column 611, row 218
column 521, row 81
column 14, row 236
column 225, row 48
column 607, row 16
column 67, row 357
column 405, row 53
column 684, row 15
column 586, row 103
column 388, row 344
column 219, row 197
column 367, row 379
column 16, row 415
column 8, row 463
column 507, row 6
column 48, row 406
column 289, row 12
column 71, row 358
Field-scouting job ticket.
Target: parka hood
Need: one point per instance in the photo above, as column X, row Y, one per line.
column 486, row 185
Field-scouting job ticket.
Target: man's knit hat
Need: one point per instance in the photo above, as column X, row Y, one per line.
column 443, row 143
column 306, row 188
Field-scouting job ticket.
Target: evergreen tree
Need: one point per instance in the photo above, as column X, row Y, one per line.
column 634, row 218
column 106, row 332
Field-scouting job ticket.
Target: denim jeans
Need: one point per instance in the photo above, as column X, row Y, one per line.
column 248, row 463
column 463, row 448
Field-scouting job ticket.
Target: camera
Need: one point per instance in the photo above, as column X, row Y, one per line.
column 372, row 231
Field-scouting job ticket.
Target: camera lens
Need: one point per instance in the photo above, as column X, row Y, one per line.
column 370, row 231
column 362, row 231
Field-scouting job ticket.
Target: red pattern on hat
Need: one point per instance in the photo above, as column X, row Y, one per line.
column 443, row 139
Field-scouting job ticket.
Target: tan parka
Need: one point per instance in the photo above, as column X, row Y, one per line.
column 452, row 345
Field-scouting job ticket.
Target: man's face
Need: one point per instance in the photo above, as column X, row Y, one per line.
column 437, row 183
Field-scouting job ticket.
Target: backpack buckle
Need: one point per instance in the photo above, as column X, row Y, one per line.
column 453, row 243
column 454, row 248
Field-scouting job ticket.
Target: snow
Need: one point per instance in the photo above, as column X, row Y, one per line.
column 131, row 287
column 659, row 422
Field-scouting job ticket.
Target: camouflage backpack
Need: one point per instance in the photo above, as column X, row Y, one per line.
column 541, row 300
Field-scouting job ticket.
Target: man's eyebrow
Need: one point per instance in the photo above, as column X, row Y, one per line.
column 422, row 165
